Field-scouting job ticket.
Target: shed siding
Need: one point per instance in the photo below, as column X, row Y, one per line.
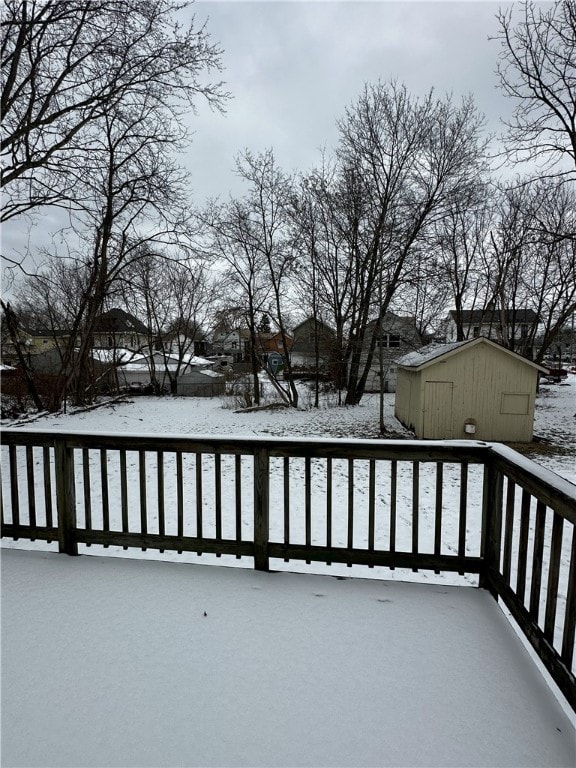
column 490, row 386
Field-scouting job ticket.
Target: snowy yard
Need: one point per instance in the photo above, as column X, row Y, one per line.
column 113, row 662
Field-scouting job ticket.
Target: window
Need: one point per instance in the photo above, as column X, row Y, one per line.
column 389, row 340
column 476, row 331
column 514, row 404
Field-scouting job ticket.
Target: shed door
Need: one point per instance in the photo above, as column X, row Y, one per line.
column 438, row 417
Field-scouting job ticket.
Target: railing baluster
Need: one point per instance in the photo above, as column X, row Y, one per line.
column 553, row 577
column 538, row 555
column 490, row 545
column 199, row 501
column 66, row 498
column 86, row 482
column 179, row 497
column 393, row 496
column 462, row 511
column 415, row 508
column 509, row 530
column 329, row 507
column 371, row 506
column 350, row 508
column 2, row 519
column 160, row 485
column 14, row 492
column 218, row 497
column 47, row 486
column 523, row 546
column 31, row 486
column 123, row 492
column 104, row 483
column 143, row 494
column 308, row 502
column 438, row 511
column 286, row 486
column 261, row 508
column 570, row 615
column 238, row 495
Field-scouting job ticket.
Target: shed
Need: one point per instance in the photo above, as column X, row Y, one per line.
column 474, row 388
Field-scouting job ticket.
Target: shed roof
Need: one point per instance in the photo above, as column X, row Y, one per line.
column 425, row 356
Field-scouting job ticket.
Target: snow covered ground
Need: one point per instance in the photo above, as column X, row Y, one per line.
column 555, row 421
column 108, row 662
column 111, row 662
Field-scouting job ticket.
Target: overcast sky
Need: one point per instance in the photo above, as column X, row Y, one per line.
column 293, row 67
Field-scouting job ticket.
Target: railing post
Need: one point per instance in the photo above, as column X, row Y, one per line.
column 261, row 508
column 65, row 497
column 491, row 526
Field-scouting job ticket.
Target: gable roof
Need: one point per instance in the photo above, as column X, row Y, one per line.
column 492, row 316
column 320, row 324
column 421, row 358
column 118, row 321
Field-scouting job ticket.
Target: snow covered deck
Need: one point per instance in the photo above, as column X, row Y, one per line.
column 111, row 662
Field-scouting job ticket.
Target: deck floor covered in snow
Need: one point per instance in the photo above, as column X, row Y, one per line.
column 112, row 662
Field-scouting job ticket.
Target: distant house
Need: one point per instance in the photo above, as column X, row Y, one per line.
column 182, row 342
column 33, row 342
column 468, row 389
column 117, row 328
column 233, row 342
column 514, row 328
column 398, row 335
column 314, row 344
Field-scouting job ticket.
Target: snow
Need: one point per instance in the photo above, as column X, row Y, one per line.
column 108, row 662
column 286, row 669
column 426, row 354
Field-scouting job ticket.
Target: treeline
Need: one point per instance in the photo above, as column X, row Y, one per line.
column 406, row 214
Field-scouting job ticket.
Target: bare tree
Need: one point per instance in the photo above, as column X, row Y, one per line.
column 268, row 203
column 128, row 191
column 174, row 296
column 533, row 264
column 65, row 65
column 403, row 162
column 243, row 283
column 537, row 69
column 460, row 243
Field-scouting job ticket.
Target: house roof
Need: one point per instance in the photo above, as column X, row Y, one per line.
column 311, row 320
column 118, row 321
column 425, row 356
column 490, row 316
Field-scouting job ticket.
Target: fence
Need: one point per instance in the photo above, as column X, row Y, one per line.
column 465, row 508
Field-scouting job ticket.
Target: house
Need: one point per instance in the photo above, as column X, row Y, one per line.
column 313, row 345
column 467, row 389
column 514, row 328
column 33, row 342
column 117, row 328
column 398, row 335
column 233, row 342
column 178, row 343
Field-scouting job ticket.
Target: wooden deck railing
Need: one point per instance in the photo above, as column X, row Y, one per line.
column 473, row 509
